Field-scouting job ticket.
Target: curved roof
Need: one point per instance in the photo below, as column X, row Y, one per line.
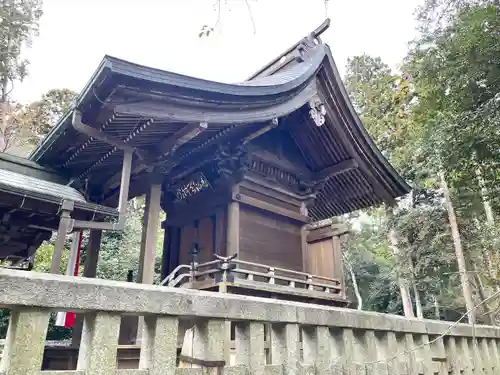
column 153, row 109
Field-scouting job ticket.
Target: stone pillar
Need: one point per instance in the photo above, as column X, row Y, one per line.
column 285, row 347
column 99, row 345
column 25, row 342
column 64, row 226
column 250, row 349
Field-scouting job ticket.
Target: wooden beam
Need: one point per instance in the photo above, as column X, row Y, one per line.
column 273, row 124
column 336, row 169
column 165, row 148
column 250, row 201
column 101, row 136
column 187, row 133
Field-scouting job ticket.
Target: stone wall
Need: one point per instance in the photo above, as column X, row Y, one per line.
column 301, row 338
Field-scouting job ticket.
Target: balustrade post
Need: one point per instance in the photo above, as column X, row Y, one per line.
column 285, row 348
column 452, row 356
column 426, row 353
column 309, row 345
column 371, row 353
column 159, row 345
column 494, row 352
column 309, row 281
column 25, row 342
column 476, row 356
column 486, row 357
column 411, row 357
column 99, row 344
column 350, row 352
column 271, row 274
column 466, row 356
column 209, row 338
column 326, row 356
column 438, row 350
column 249, row 343
column 392, row 353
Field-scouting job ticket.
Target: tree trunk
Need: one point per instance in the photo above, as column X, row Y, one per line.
column 437, row 313
column 490, row 222
column 482, row 294
column 4, row 97
column 403, row 285
column 490, row 219
column 418, row 302
column 462, row 268
column 354, row 285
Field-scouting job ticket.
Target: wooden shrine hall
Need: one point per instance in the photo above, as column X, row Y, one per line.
column 249, row 174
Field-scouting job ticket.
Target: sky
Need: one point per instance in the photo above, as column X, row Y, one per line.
column 76, row 34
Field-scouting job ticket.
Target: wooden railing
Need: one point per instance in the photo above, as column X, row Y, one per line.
column 253, row 272
column 303, row 338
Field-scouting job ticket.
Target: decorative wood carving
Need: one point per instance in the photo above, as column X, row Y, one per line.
column 231, row 161
column 196, row 184
column 317, row 111
column 308, row 187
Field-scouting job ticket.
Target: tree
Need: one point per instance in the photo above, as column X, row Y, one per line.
column 382, row 100
column 455, row 70
column 18, row 24
column 30, row 123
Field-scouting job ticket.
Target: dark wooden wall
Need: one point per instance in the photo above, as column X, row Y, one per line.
column 209, row 232
column 269, row 239
column 324, row 254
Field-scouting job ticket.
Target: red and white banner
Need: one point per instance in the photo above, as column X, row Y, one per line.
column 67, row 319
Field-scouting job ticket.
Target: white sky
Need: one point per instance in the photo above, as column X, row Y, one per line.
column 76, row 34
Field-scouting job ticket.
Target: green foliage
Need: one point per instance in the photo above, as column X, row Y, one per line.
column 120, row 250
column 36, row 119
column 441, row 114
column 30, row 123
column 18, row 24
column 373, row 265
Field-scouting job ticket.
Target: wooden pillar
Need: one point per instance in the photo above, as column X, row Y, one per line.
column 89, row 270
column 233, row 228
column 149, row 235
column 93, row 248
column 167, row 250
column 131, row 326
column 64, row 226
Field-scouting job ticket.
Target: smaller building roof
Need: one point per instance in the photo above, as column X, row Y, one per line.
column 30, row 199
column 30, row 186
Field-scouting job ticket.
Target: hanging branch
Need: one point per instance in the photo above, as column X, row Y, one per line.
column 251, row 16
column 207, row 30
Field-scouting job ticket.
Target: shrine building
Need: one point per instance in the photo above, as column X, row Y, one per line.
column 250, row 175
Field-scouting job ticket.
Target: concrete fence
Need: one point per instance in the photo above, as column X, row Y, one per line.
column 302, row 339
